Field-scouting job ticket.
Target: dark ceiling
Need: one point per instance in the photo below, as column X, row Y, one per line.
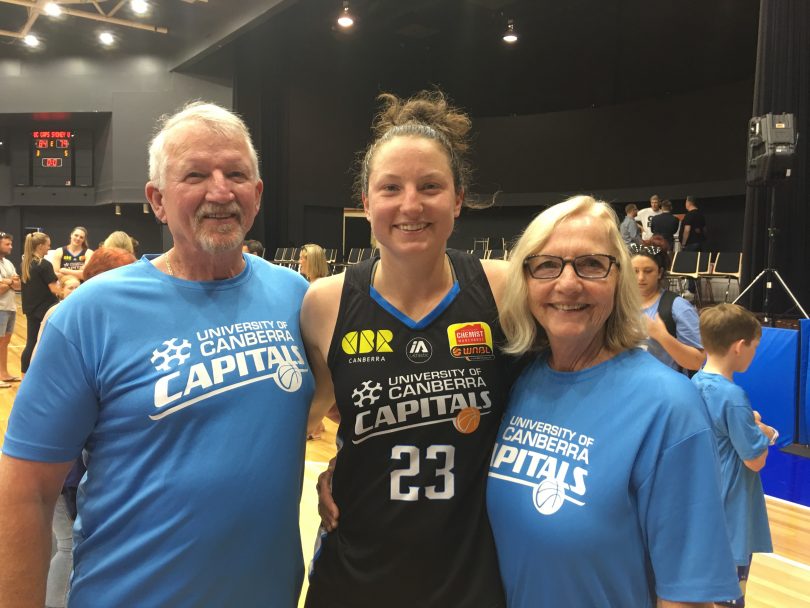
column 571, row 53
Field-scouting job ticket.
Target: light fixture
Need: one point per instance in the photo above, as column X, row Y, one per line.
column 52, row 9
column 146, row 208
column 118, row 210
column 510, row 36
column 31, row 40
column 139, row 7
column 106, row 38
column 345, row 20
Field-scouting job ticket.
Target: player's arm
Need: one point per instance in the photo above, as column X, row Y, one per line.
column 318, row 317
column 28, row 493
column 668, row 604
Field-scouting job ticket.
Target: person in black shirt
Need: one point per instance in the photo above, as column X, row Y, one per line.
column 409, row 340
column 666, row 224
column 693, row 234
column 40, row 289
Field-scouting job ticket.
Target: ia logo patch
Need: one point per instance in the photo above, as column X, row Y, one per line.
column 418, row 350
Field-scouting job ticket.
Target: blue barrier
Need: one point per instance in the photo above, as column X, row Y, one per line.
column 804, row 389
column 772, row 382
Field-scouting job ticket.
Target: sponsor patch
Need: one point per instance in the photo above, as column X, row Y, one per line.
column 471, row 341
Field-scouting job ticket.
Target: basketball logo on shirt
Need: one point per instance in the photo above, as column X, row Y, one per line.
column 549, row 496
column 288, row 377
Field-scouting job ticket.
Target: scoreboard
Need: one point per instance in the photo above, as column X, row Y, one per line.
column 52, row 154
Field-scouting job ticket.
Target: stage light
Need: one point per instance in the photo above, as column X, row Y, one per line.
column 106, row 38
column 345, row 19
column 31, row 40
column 52, row 9
column 510, row 36
column 139, row 7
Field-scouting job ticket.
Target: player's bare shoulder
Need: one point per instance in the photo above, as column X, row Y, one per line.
column 496, row 275
column 320, row 309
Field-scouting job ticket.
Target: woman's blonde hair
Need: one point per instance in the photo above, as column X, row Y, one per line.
column 623, row 328
column 316, row 261
column 32, row 241
column 119, row 239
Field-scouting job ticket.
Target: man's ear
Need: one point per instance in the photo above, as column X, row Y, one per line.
column 155, row 199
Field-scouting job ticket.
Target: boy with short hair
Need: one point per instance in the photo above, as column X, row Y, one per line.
column 730, row 336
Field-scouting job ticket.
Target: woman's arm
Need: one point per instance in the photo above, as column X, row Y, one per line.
column 686, row 356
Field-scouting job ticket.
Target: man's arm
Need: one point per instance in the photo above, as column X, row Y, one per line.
column 685, row 239
column 28, row 492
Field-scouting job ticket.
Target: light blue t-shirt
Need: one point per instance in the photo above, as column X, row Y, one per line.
column 603, row 493
column 191, row 400
column 738, row 439
column 687, row 329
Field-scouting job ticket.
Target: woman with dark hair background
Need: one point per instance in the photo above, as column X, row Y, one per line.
column 672, row 322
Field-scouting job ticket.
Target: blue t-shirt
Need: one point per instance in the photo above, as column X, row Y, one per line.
column 191, row 400
column 604, row 493
column 738, row 439
column 687, row 329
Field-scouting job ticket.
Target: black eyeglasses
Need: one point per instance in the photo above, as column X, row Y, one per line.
column 589, row 266
column 643, row 249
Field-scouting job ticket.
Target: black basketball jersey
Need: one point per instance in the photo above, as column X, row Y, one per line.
column 72, row 262
column 420, row 405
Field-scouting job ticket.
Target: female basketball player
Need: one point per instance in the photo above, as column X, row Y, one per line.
column 71, row 258
column 603, row 485
column 409, row 341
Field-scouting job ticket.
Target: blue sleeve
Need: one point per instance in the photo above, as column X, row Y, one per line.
column 681, row 514
column 56, row 407
column 687, row 323
column 748, row 441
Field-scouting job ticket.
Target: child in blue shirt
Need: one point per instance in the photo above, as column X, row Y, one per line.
column 730, row 336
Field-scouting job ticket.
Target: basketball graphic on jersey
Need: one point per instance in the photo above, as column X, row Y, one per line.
column 467, row 420
column 549, row 496
column 288, row 377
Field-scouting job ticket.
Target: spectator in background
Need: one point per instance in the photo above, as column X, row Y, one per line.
column 671, row 322
column 121, row 240
column 71, row 258
column 731, row 335
column 312, row 262
column 40, row 289
column 629, row 228
column 665, row 224
column 693, row 236
column 9, row 283
column 646, row 215
column 253, row 247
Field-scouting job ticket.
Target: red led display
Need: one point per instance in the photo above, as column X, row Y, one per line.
column 51, row 162
column 52, row 134
column 42, row 143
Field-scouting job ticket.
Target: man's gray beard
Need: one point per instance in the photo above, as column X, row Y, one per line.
column 217, row 244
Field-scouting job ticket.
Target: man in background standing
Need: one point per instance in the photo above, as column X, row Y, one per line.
column 629, row 228
column 9, row 283
column 666, row 224
column 693, row 235
column 646, row 215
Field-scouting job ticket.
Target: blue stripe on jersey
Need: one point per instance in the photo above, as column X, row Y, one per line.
column 407, row 321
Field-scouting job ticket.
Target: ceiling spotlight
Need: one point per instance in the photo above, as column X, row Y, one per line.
column 106, row 38
column 345, row 19
column 31, row 40
column 52, row 9
column 510, row 36
column 139, row 6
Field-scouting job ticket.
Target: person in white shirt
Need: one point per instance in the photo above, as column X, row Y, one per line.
column 645, row 217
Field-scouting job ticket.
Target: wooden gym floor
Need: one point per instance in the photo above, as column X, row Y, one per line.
column 778, row 580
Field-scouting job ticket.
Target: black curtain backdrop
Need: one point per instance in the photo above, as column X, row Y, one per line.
column 781, row 85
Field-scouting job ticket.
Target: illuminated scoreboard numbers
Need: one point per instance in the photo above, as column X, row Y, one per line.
column 53, row 158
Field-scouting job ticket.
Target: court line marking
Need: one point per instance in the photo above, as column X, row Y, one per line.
column 786, row 560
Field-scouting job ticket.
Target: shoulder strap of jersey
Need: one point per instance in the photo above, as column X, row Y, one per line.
column 665, row 310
